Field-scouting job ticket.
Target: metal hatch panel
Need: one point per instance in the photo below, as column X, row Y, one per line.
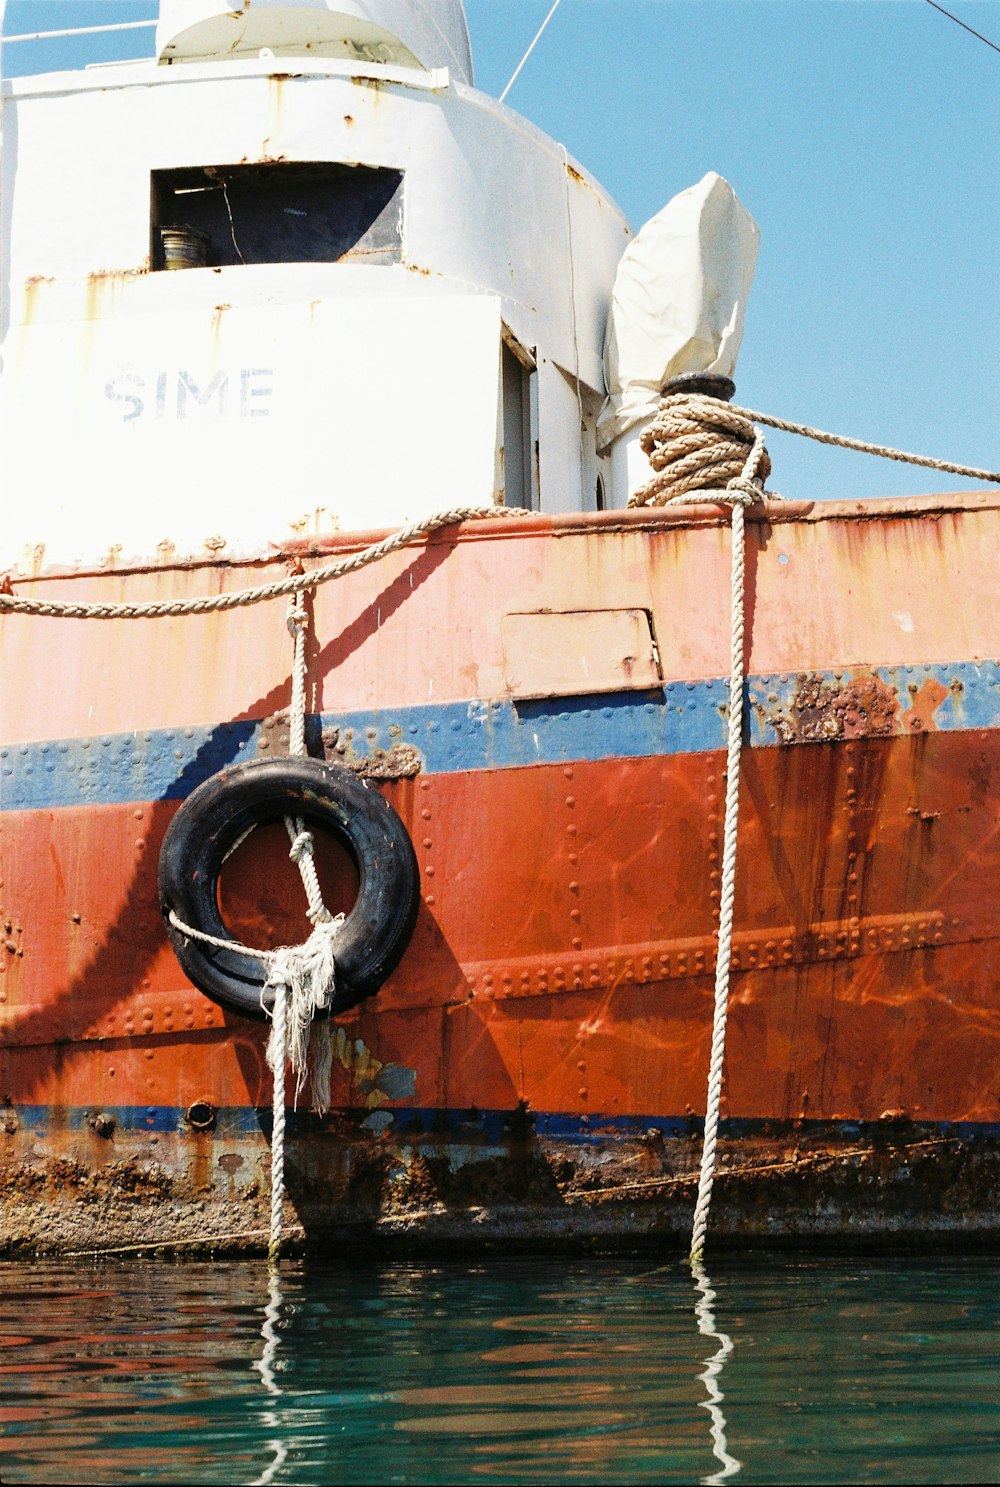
column 575, row 653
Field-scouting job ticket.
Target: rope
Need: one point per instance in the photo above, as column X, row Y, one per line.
column 884, row 451
column 700, row 444
column 302, row 977
column 240, row 598
column 276, row 1062
column 703, row 450
column 694, row 444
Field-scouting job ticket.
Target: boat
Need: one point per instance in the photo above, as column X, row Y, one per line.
column 318, row 291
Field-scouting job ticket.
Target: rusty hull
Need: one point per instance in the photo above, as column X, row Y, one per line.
column 535, row 1070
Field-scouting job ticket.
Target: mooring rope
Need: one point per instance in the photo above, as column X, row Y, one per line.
column 276, row 1053
column 301, row 977
column 696, row 440
column 695, row 443
column 156, row 609
column 704, row 450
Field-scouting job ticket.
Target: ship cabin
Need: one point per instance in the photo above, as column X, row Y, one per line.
column 292, row 274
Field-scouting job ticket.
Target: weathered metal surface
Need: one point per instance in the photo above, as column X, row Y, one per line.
column 587, row 651
column 473, row 1182
column 506, row 1079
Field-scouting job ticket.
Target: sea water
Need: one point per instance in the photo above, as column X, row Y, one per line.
column 764, row 1369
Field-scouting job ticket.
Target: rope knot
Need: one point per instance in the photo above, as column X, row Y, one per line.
column 297, row 615
column 303, row 843
column 307, row 976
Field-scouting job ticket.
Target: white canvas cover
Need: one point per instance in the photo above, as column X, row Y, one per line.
column 678, row 301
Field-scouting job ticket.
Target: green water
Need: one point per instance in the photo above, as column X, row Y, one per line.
column 795, row 1370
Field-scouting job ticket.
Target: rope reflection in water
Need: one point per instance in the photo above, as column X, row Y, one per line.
column 266, row 1366
column 713, row 1368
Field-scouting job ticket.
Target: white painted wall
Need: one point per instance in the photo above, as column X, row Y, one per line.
column 492, row 209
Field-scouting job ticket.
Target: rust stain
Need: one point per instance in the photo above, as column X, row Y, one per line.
column 919, row 716
column 400, row 761
column 820, row 711
column 31, row 288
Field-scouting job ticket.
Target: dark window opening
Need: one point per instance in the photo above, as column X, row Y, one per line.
column 315, row 212
column 516, row 390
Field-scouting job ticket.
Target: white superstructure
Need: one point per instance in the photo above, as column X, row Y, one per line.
column 403, row 304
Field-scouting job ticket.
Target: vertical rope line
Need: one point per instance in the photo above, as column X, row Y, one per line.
column 276, row 1058
column 298, row 618
column 727, row 888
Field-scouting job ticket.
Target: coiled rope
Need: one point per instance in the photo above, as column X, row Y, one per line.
column 697, row 440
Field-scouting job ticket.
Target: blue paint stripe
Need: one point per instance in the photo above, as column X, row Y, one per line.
column 470, row 1127
column 457, row 737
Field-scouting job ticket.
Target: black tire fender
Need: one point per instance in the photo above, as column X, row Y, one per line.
column 217, row 815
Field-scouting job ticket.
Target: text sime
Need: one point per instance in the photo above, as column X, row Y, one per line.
column 242, row 393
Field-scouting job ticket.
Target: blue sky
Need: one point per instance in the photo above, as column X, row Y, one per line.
column 862, row 134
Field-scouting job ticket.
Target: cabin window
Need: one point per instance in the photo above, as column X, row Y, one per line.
column 315, row 212
column 519, row 422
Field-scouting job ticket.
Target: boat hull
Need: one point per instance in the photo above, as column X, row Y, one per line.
column 535, row 1069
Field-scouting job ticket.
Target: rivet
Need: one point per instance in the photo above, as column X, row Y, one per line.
column 571, row 801
column 427, row 841
column 430, row 900
column 429, row 871
column 425, row 814
column 568, row 771
column 577, row 943
column 425, row 784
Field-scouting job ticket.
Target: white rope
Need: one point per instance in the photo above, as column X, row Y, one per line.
column 301, row 977
column 884, row 451
column 276, row 1045
column 693, row 442
column 281, row 588
column 727, row 886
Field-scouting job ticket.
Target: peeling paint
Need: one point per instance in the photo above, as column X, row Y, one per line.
column 821, row 711
column 400, row 761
